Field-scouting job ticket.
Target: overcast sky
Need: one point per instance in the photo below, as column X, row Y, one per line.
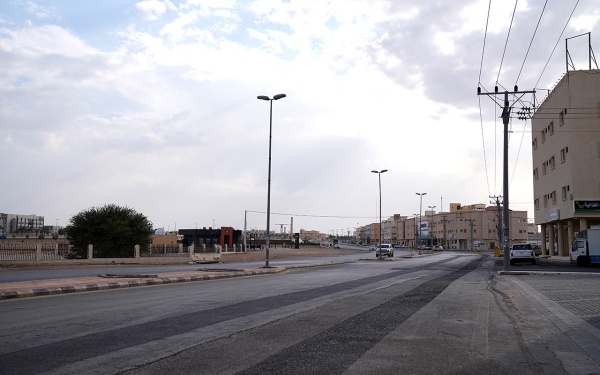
column 152, row 104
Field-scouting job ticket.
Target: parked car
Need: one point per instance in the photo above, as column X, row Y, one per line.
column 372, row 248
column 336, row 246
column 385, row 249
column 522, row 252
column 439, row 248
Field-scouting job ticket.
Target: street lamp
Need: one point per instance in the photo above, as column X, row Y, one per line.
column 263, row 97
column 430, row 226
column 379, row 175
column 420, row 210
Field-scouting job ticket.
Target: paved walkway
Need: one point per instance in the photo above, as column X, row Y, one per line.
column 570, row 301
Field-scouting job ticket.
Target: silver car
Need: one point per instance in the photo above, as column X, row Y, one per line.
column 385, row 249
column 522, row 253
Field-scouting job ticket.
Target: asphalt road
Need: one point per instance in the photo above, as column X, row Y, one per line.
column 447, row 313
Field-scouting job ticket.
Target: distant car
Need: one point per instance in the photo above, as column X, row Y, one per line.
column 372, row 248
column 385, row 249
column 336, row 246
column 439, row 248
column 522, row 253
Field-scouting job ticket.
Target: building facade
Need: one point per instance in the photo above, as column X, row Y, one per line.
column 12, row 222
column 566, row 160
column 471, row 227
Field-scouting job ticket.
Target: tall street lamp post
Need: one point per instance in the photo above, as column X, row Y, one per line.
column 263, row 97
column 420, row 210
column 430, row 225
column 379, row 175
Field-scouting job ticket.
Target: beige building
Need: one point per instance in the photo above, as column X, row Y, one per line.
column 471, row 227
column 566, row 160
column 311, row 235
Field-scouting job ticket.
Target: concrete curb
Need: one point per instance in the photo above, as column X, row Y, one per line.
column 154, row 281
column 520, row 273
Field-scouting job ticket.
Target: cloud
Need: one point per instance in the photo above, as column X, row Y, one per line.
column 40, row 11
column 154, row 9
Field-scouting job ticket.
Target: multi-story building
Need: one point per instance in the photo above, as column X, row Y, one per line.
column 471, row 227
column 566, row 160
column 12, row 222
column 310, row 235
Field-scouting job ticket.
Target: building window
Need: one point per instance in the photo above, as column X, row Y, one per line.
column 544, row 167
column 564, row 193
column 563, row 155
column 551, row 162
column 545, row 200
column 554, row 197
column 561, row 117
column 551, row 128
column 535, row 143
column 537, row 203
column 535, row 173
column 544, row 135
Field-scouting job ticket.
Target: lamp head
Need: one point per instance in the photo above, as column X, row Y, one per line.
column 262, row 97
column 374, row 172
column 383, row 171
column 278, row 96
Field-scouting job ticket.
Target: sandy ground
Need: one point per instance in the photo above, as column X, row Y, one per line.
column 309, row 251
column 239, row 257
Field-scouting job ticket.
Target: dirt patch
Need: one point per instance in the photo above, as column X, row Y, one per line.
column 284, row 253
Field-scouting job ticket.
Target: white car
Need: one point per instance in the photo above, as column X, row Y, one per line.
column 522, row 252
column 385, row 249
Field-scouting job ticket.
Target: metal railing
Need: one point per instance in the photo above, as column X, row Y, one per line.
column 55, row 251
column 17, row 252
column 167, row 250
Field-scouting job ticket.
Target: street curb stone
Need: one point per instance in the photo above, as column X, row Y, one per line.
column 517, row 273
column 154, row 281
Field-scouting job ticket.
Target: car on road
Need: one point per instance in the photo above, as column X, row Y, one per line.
column 336, row 246
column 372, row 248
column 385, row 249
column 438, row 248
column 522, row 252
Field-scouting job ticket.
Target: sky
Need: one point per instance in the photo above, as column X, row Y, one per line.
column 153, row 105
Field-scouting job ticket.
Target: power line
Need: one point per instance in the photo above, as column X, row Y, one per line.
column 553, row 49
column 484, row 39
column 322, row 216
column 507, row 36
column 530, row 43
column 487, row 179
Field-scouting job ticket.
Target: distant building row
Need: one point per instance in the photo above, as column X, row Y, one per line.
column 463, row 228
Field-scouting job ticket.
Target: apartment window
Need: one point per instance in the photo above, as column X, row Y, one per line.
column 563, row 155
column 552, row 162
column 561, row 117
column 544, row 167
column 553, row 197
column 535, row 173
column 551, row 128
column 537, row 203
column 545, row 200
column 544, row 135
column 535, row 143
column 564, row 193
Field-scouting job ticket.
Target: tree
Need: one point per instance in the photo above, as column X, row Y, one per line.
column 112, row 230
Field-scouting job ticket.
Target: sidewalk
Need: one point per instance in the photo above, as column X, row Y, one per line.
column 36, row 288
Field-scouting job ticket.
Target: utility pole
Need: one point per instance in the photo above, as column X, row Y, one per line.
column 497, row 201
column 506, row 109
column 444, row 228
column 471, row 221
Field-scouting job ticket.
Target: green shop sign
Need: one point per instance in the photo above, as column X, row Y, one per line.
column 586, row 206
